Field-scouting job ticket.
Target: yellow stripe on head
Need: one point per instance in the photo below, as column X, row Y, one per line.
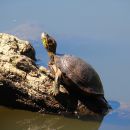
column 44, row 41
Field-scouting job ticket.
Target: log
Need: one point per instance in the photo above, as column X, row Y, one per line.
column 25, row 85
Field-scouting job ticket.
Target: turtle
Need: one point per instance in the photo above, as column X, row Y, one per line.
column 74, row 72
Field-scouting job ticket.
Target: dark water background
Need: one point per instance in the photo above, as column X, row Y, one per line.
column 97, row 31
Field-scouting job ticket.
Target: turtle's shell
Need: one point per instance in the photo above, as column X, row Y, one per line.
column 80, row 73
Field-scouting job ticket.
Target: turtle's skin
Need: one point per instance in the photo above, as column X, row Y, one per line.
column 72, row 71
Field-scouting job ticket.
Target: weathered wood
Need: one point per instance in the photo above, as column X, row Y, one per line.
column 25, row 85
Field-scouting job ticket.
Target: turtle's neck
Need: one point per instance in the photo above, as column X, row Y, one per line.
column 51, row 56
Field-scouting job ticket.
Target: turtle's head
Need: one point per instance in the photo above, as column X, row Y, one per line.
column 49, row 43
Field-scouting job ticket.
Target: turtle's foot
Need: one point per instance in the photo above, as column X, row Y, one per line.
column 54, row 90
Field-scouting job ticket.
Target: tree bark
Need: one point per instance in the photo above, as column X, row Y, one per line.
column 25, row 85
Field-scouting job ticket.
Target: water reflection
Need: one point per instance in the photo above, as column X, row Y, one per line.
column 23, row 120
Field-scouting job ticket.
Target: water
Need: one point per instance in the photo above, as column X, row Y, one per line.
column 118, row 119
column 96, row 31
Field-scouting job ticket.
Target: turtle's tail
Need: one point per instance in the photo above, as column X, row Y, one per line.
column 104, row 104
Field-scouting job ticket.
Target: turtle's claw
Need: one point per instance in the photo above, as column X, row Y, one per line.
column 54, row 90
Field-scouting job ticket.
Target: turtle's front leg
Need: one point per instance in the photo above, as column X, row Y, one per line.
column 56, row 84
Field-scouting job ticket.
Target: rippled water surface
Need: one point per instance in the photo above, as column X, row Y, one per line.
column 97, row 31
